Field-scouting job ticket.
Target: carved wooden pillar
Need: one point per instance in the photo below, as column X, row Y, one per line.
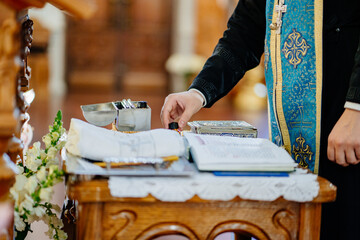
column 22, row 83
column 9, row 113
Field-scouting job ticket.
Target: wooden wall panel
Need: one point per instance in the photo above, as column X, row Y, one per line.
column 125, row 39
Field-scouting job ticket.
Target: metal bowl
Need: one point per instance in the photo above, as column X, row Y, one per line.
column 101, row 114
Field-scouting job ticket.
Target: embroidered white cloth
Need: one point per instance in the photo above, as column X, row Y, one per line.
column 92, row 142
column 299, row 187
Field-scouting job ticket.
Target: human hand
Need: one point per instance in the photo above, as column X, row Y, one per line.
column 344, row 139
column 180, row 106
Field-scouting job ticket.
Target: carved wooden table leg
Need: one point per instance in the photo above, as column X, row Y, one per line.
column 90, row 221
column 310, row 221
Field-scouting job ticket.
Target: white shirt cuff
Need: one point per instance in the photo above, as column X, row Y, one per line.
column 201, row 94
column 352, row 105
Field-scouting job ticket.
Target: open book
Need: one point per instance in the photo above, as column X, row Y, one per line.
column 222, row 153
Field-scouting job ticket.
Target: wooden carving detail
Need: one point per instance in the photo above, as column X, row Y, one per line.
column 118, row 222
column 279, row 220
column 166, row 228
column 15, row 145
column 25, row 71
column 238, row 227
column 8, row 71
column 26, row 40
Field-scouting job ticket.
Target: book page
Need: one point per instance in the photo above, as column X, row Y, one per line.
column 209, row 149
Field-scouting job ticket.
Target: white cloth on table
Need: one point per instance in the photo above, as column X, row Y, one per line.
column 299, row 187
column 89, row 141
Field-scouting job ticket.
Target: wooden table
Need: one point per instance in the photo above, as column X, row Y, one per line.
column 102, row 216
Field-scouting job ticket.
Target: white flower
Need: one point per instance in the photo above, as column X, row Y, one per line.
column 32, row 218
column 62, row 235
column 19, row 224
column 31, row 184
column 52, row 152
column 55, row 135
column 41, row 174
column 32, row 162
column 20, row 181
column 51, row 162
column 15, row 195
column 43, row 155
column 20, row 169
column 39, row 211
column 46, row 194
column 49, row 232
column 26, row 204
column 47, row 140
column 35, row 150
column 46, row 220
column 56, row 222
column 53, row 168
column 17, row 190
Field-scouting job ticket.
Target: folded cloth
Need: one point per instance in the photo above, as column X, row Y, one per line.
column 88, row 141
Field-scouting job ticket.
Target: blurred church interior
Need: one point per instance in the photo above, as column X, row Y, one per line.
column 137, row 49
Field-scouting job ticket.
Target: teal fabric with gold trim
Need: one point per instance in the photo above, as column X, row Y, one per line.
column 298, row 66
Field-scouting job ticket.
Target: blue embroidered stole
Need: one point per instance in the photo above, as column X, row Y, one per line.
column 293, row 71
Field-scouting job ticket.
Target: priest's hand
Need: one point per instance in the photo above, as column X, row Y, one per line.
column 180, row 107
column 344, row 139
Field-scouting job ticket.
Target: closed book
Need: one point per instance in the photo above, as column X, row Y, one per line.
column 224, row 128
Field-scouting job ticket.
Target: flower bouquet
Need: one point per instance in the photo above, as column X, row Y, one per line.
column 33, row 188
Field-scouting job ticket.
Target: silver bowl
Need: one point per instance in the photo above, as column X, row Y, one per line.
column 101, row 114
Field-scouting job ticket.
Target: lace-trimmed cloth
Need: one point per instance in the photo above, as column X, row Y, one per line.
column 298, row 187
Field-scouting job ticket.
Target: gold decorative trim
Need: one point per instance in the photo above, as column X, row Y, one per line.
column 273, row 66
column 279, row 106
column 275, row 51
column 269, row 119
column 318, row 11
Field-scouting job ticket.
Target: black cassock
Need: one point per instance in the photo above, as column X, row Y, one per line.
column 244, row 40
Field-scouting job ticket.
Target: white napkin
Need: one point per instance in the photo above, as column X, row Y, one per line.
column 89, row 141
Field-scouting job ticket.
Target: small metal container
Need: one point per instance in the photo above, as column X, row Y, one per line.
column 132, row 119
column 124, row 119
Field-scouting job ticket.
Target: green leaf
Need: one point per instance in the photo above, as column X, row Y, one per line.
column 58, row 116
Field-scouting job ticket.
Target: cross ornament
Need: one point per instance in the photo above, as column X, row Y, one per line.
column 280, row 9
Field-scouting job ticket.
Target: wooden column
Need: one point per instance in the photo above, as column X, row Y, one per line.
column 9, row 113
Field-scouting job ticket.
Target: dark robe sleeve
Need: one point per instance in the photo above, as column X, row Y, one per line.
column 237, row 51
column 353, row 94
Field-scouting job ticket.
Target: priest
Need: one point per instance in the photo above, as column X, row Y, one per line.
column 312, row 71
